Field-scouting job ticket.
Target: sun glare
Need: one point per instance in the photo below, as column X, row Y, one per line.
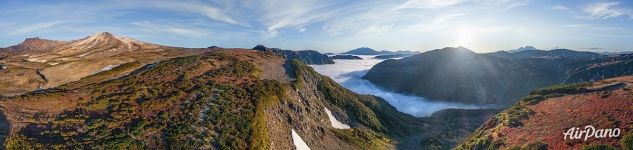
column 464, row 36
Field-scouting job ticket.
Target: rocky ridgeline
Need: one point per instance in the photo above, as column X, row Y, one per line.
column 310, row 57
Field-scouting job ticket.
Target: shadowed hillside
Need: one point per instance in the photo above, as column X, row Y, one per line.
column 460, row 75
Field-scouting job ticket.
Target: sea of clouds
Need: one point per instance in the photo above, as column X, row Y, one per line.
column 349, row 74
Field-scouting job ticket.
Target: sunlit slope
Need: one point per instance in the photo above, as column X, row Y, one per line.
column 539, row 120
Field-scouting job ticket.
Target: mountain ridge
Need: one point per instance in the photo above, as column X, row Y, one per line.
column 461, row 75
column 311, row 57
column 370, row 51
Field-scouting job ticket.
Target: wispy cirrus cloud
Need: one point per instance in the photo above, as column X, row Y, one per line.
column 330, row 24
column 446, row 16
column 184, row 6
column 578, row 25
column 506, row 4
column 37, row 27
column 605, row 10
column 278, row 15
column 174, row 29
column 427, row 4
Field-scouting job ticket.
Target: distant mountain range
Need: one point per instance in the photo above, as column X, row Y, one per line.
column 369, row 51
column 460, row 75
column 555, row 53
column 523, row 48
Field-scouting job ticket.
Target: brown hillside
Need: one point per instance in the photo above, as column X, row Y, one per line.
column 39, row 63
column 547, row 113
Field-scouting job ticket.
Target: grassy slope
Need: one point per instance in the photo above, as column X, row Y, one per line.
column 163, row 107
column 206, row 101
column 488, row 136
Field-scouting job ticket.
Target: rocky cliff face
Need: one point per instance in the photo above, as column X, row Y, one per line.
column 540, row 120
column 306, row 56
column 460, row 75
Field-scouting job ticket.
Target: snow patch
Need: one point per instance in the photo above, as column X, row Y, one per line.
column 35, row 59
column 106, row 68
column 109, row 67
column 335, row 123
column 299, row 143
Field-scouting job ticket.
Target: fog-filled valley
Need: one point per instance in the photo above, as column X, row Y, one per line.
column 349, row 73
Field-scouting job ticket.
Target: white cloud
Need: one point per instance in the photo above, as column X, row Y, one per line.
column 560, row 8
column 444, row 17
column 280, row 14
column 152, row 27
column 605, row 10
column 37, row 27
column 374, row 30
column 181, row 6
column 435, row 4
column 427, row 4
column 575, row 25
column 507, row 4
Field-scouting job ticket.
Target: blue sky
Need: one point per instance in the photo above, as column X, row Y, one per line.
column 331, row 26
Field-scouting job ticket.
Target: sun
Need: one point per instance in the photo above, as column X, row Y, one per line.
column 465, row 36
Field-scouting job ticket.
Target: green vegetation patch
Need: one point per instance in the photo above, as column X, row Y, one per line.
column 363, row 138
column 562, row 89
column 598, row 147
column 627, row 141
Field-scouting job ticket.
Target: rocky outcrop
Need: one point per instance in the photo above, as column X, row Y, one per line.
column 306, row 56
